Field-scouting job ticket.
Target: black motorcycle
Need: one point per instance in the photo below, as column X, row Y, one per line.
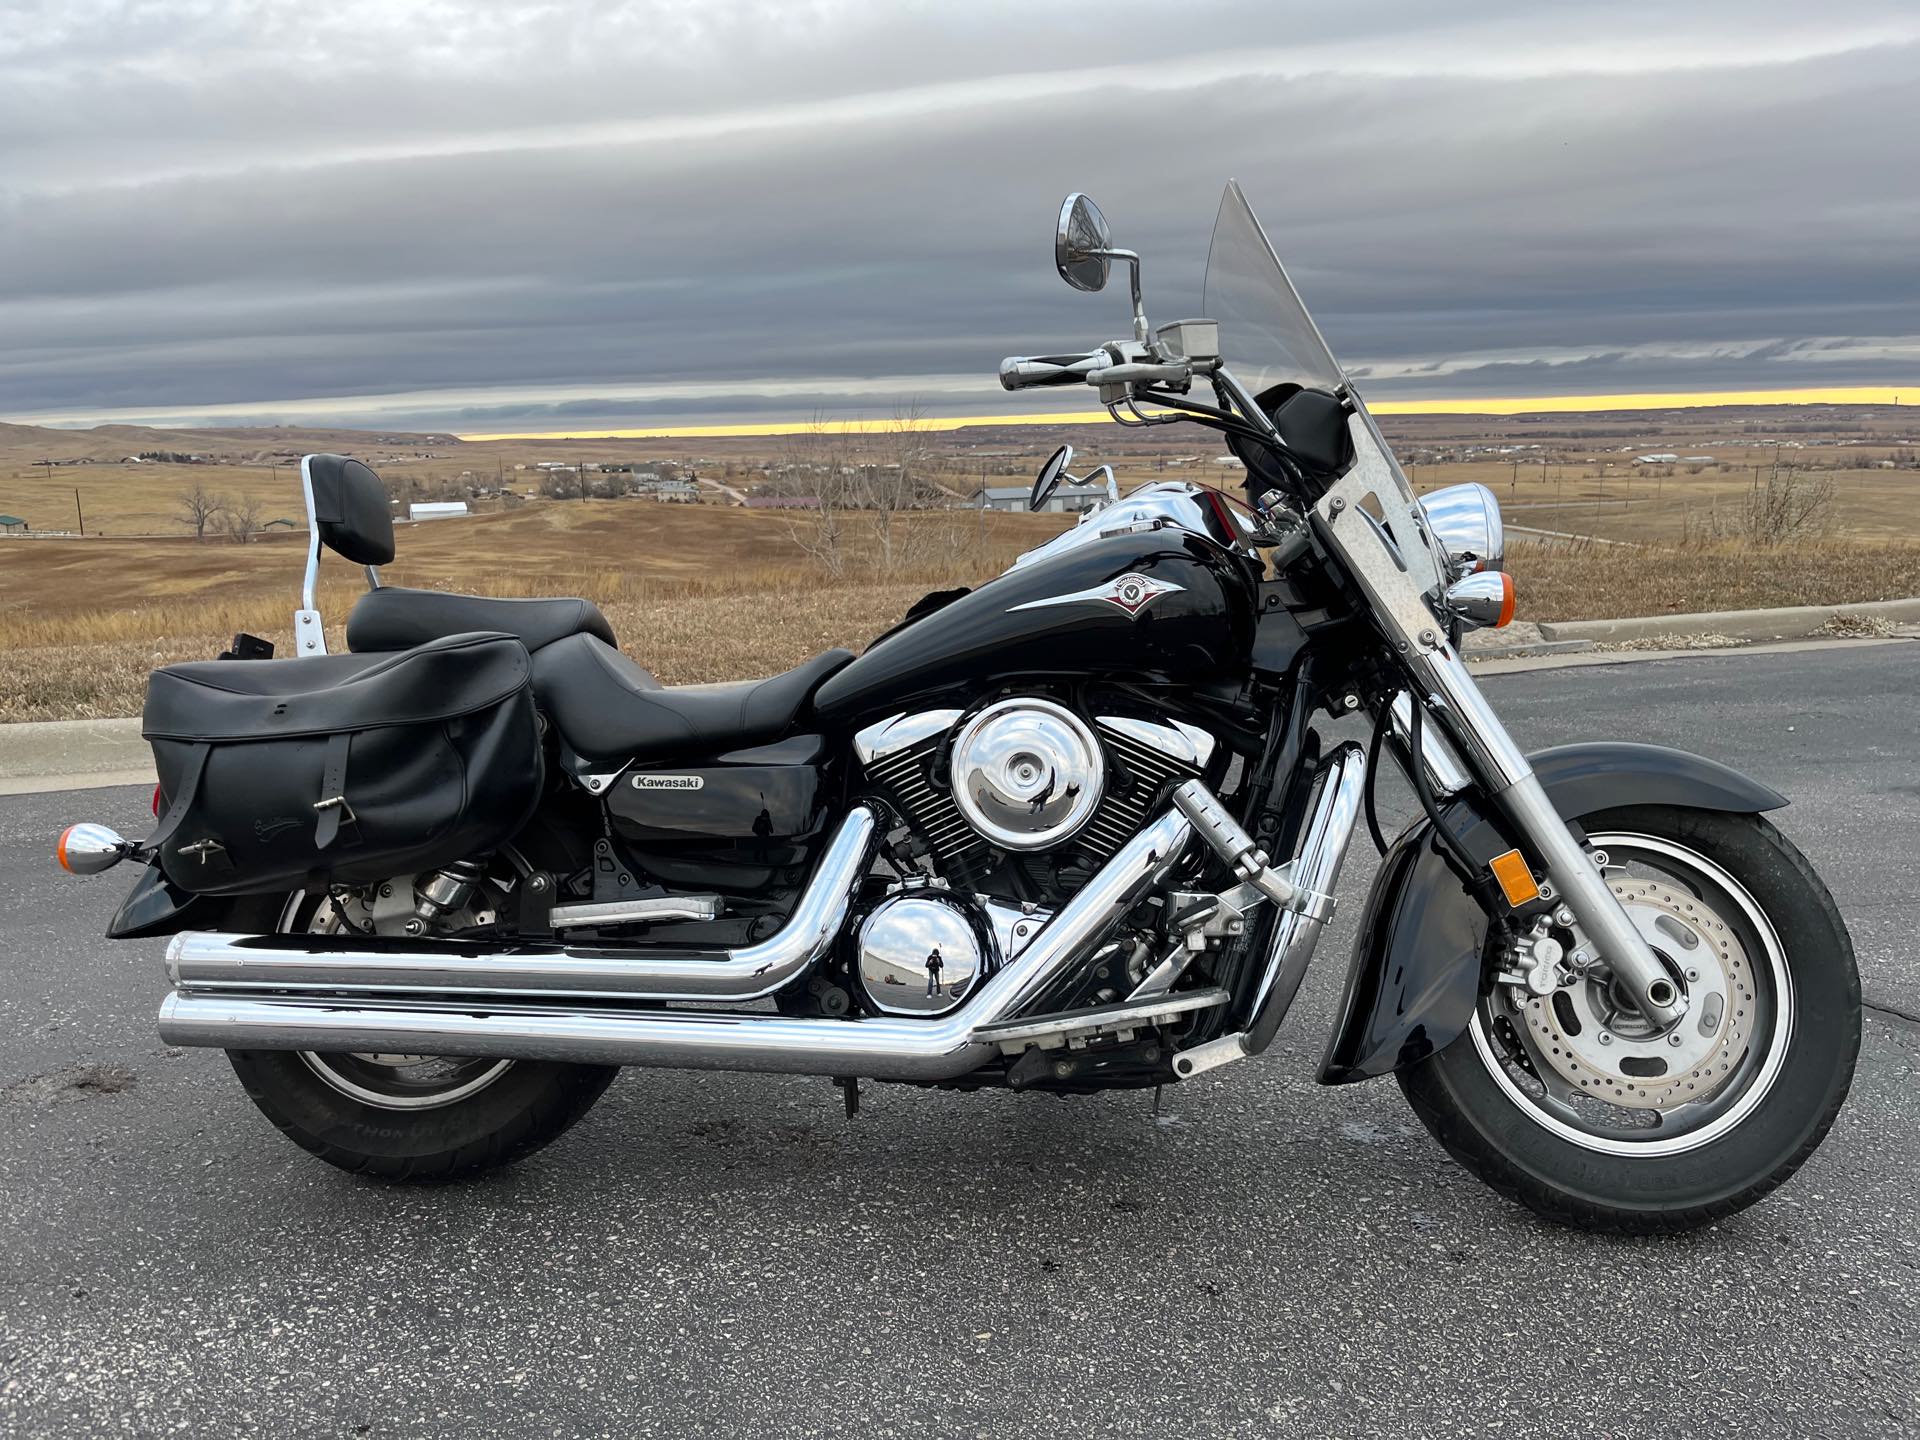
column 1073, row 830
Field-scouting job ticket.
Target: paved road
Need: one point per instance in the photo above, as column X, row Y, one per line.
column 721, row 1255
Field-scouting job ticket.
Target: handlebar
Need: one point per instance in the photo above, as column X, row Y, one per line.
column 1024, row 372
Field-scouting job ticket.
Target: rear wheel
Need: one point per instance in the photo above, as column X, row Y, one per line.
column 406, row 1117
column 1574, row 1105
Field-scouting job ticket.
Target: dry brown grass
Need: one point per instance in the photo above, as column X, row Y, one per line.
column 709, row 593
column 1578, row 581
column 695, row 593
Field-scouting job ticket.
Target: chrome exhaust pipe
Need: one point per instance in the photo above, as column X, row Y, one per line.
column 883, row 1048
column 202, row 961
column 1314, row 872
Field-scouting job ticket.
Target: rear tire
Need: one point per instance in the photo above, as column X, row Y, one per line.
column 407, row 1118
column 1706, row 1154
column 527, row 1105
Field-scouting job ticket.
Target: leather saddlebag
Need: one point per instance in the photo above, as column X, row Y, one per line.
column 285, row 774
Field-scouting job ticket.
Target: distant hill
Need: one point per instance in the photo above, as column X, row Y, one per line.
column 240, row 444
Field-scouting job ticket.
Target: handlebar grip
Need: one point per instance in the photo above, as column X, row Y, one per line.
column 1024, row 372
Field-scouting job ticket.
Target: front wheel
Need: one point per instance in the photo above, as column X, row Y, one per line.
column 1572, row 1104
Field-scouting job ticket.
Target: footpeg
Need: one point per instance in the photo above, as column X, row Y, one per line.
column 1213, row 824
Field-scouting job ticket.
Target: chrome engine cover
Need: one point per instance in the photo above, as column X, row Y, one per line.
column 1027, row 773
column 899, row 942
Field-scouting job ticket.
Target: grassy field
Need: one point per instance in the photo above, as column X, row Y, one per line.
column 716, row 591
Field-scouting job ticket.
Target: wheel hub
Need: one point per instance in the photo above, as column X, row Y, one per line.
column 1592, row 1036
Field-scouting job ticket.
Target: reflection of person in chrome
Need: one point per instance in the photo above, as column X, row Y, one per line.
column 934, row 964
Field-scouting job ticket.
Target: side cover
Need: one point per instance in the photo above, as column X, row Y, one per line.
column 1415, row 975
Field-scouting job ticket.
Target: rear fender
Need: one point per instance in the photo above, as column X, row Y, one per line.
column 1415, row 975
column 156, row 906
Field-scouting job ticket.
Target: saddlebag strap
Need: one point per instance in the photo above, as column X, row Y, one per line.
column 182, row 797
column 332, row 803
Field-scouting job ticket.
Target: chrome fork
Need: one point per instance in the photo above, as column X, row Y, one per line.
column 1512, row 785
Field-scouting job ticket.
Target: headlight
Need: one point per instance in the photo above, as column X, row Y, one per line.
column 1465, row 521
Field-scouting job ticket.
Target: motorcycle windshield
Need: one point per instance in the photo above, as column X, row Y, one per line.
column 1267, row 338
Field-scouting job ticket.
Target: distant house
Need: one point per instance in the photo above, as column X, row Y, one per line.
column 657, row 488
column 436, row 509
column 13, row 524
column 1065, row 500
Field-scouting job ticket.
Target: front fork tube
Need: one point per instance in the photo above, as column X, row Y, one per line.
column 1512, row 786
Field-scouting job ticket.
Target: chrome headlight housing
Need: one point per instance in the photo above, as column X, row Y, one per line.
column 1464, row 521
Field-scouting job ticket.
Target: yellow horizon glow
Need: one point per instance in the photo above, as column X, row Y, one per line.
column 1482, row 405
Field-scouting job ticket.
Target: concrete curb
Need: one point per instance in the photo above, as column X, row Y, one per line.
column 1791, row 622
column 80, row 753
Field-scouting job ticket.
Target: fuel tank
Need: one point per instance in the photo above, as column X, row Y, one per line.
column 1157, row 607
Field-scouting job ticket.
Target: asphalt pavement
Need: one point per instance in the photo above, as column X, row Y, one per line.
column 728, row 1255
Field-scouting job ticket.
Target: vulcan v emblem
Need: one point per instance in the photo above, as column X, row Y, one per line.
column 1132, row 592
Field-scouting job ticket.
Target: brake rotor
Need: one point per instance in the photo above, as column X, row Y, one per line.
column 1592, row 1036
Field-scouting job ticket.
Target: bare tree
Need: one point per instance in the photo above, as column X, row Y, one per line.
column 242, row 521
column 817, row 464
column 198, row 508
column 1788, row 505
column 901, row 482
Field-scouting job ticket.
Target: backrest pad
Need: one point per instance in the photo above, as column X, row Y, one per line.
column 350, row 509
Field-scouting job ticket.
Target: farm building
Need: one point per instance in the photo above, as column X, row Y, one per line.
column 13, row 524
column 1065, row 500
column 436, row 509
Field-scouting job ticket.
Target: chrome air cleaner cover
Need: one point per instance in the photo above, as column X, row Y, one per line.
column 1027, row 773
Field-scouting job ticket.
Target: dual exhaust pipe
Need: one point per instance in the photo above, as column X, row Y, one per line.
column 578, row 1004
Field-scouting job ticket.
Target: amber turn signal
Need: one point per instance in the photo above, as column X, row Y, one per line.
column 1484, row 599
column 1515, row 877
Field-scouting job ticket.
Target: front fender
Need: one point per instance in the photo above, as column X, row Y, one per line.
column 1415, row 975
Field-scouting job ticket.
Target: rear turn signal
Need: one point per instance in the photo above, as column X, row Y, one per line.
column 89, row 849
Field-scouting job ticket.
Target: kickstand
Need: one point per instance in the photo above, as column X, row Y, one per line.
column 1156, row 1101
column 850, row 1093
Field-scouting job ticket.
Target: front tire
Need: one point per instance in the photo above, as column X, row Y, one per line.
column 1559, row 1103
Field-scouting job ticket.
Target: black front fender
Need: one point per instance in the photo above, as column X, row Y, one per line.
column 1415, row 975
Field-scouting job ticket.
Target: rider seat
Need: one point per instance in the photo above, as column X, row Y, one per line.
column 395, row 618
column 348, row 512
column 610, row 710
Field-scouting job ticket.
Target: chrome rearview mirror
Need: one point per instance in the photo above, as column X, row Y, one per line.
column 1083, row 253
column 1080, row 244
column 1465, row 523
column 1048, row 480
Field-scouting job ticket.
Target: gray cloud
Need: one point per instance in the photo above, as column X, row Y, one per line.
column 535, row 215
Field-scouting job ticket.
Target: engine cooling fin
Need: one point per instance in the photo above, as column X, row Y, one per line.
column 908, row 776
column 1139, row 778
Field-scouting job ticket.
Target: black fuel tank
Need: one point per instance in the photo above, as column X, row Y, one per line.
column 1154, row 607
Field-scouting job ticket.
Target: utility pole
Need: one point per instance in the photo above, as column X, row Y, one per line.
column 78, row 514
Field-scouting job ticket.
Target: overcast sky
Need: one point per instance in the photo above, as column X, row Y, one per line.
column 501, row 215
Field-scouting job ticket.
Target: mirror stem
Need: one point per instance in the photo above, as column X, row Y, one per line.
column 1141, row 332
